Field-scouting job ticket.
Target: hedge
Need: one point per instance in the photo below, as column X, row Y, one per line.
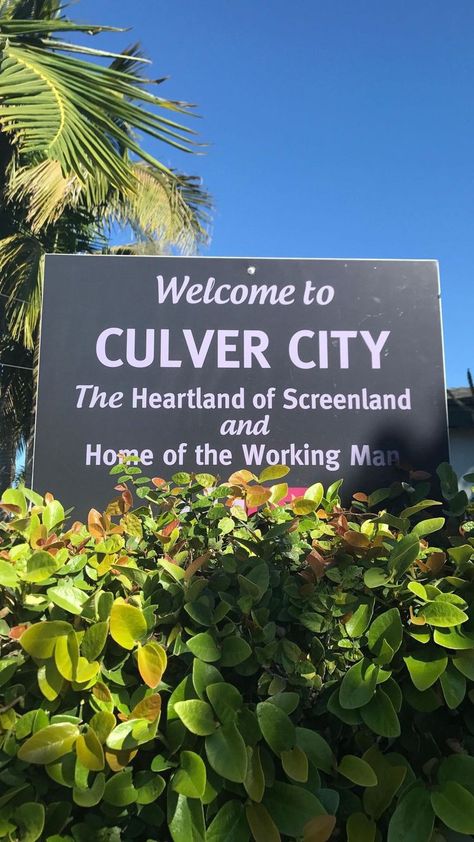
column 205, row 663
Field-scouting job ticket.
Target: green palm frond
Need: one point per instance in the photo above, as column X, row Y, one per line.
column 16, row 391
column 21, row 285
column 166, row 212
column 78, row 121
column 27, row 9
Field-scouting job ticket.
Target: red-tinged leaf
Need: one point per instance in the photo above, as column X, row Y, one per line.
column 241, row 477
column 127, row 500
column 419, row 475
column 360, row 497
column 196, row 565
column 158, row 482
column 95, row 524
column 356, row 539
column 319, row 829
column 317, row 563
column 149, row 708
column 435, row 562
column 167, row 530
column 257, row 495
column 17, row 631
column 11, row 508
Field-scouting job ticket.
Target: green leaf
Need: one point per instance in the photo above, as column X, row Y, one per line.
column 273, row 472
column 358, row 684
column 30, row 819
column 454, row 639
column 360, row 619
column 127, row 624
column 66, row 655
column 94, row 640
column 92, row 795
column 49, row 744
column 459, row 768
column 448, row 479
column 190, row 777
column 465, row 664
column 89, row 751
column 226, row 701
column 454, row 805
column 204, row 647
column 376, row 577
column 404, row 554
column 68, row 597
column 277, row 729
column 8, row 575
column 357, row 771
column 228, row 825
column 288, row 702
column 206, row 480
column 315, row 493
column 197, row 716
column 235, row 650
column 39, row 567
column 204, row 675
column 185, row 818
column 131, row 733
column 443, row 614
column 386, row 628
column 15, row 497
column 427, row 527
column 226, row 525
column 119, row 790
column 419, row 507
column 425, row 667
column 227, row 754
column 291, row 807
column 53, row 514
column 295, row 764
column 148, row 786
column 378, row 798
column 255, row 780
column 413, row 818
column 359, row 828
column 316, row 748
column 181, row 478
column 380, row 716
column 453, row 685
column 261, row 824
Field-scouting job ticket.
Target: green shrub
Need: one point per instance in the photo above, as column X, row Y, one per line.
column 186, row 667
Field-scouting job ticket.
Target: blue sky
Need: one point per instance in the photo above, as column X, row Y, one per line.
column 342, row 128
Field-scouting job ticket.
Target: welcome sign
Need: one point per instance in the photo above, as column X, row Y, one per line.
column 332, row 367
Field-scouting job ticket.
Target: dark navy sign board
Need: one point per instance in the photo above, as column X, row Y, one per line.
column 333, row 367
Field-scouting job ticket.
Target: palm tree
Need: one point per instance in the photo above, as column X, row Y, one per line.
column 71, row 170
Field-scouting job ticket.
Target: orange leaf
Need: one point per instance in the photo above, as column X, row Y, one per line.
column 319, row 829
column 17, row 631
column 149, row 708
column 241, row 477
column 257, row 495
